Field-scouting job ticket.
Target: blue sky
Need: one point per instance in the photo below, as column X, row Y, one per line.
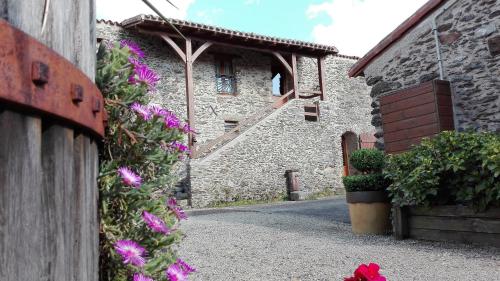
column 281, row 18
column 353, row 26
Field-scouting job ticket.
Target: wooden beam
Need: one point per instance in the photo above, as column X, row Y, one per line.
column 321, row 75
column 218, row 43
column 283, row 62
column 174, row 45
column 190, row 91
column 200, row 50
column 295, row 77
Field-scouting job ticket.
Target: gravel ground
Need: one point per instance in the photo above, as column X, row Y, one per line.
column 312, row 241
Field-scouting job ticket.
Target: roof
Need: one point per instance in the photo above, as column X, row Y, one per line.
column 422, row 13
column 223, row 35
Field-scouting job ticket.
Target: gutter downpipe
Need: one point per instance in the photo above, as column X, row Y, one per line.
column 436, row 38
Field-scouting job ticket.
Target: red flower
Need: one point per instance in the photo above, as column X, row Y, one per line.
column 367, row 273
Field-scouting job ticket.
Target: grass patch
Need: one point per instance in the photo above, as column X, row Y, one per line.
column 245, row 202
column 327, row 192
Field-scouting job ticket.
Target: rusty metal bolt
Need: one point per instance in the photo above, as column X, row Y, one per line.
column 76, row 93
column 96, row 105
column 39, row 73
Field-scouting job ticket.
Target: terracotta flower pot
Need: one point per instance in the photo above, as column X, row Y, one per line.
column 369, row 212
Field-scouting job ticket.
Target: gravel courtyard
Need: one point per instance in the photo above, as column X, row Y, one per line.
column 312, row 241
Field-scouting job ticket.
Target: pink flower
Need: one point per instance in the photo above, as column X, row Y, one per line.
column 178, row 211
column 131, row 252
column 141, row 110
column 144, row 75
column 157, row 110
column 171, row 120
column 178, row 146
column 134, row 61
column 133, row 48
column 129, row 178
column 179, row 271
column 155, row 223
column 187, row 129
column 140, row 277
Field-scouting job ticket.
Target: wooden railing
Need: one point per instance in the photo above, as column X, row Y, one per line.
column 243, row 126
column 283, row 99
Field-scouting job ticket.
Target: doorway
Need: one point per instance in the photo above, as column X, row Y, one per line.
column 350, row 144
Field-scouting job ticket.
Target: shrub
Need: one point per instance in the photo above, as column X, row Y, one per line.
column 138, row 224
column 368, row 160
column 369, row 182
column 451, row 168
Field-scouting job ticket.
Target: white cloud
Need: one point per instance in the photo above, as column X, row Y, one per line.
column 358, row 25
column 119, row 10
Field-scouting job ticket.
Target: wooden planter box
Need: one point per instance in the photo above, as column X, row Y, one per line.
column 448, row 223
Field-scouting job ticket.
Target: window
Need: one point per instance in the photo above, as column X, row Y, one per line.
column 229, row 125
column 225, row 79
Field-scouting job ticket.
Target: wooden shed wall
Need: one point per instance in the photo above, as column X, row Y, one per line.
column 411, row 114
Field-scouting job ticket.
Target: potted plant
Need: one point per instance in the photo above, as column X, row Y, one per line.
column 366, row 193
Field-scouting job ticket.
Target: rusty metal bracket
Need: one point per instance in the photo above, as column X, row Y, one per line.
column 33, row 76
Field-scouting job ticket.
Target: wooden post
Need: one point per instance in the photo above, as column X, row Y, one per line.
column 400, row 222
column 295, row 79
column 321, row 76
column 49, row 227
column 189, row 91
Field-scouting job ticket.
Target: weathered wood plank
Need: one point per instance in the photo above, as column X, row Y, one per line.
column 68, row 27
column 404, row 134
column 408, row 103
column 454, row 211
column 295, row 77
column 322, row 77
column 57, row 163
column 410, row 123
column 457, row 224
column 488, row 239
column 416, row 111
column 400, row 222
column 406, row 93
column 21, row 207
column 84, row 212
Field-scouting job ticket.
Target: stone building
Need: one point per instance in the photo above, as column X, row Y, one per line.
column 260, row 106
column 453, row 40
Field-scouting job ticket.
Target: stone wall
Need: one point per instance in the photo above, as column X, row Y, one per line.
column 468, row 30
column 252, row 70
column 252, row 166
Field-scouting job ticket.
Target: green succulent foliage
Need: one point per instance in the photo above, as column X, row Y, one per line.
column 368, row 160
column 130, row 141
column 451, row 168
column 367, row 182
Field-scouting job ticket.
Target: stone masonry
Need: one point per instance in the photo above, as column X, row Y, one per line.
column 252, row 165
column 469, row 35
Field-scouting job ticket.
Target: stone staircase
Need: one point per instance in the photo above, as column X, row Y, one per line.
column 214, row 145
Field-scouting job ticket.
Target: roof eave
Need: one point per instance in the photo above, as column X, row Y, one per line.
column 313, row 47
